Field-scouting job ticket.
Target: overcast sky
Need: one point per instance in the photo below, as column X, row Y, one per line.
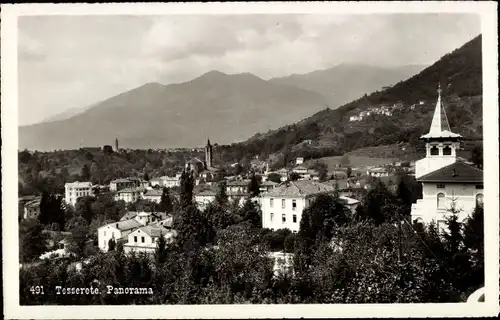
column 70, row 62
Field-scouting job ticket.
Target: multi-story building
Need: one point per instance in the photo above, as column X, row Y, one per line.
column 76, row 190
column 282, row 206
column 119, row 184
column 447, row 182
column 152, row 195
column 130, row 195
column 377, row 172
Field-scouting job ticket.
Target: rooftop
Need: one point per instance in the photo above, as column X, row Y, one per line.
column 124, row 225
column 455, row 172
column 121, row 180
column 75, row 184
column 299, row 188
column 128, row 215
column 238, row 183
column 153, row 192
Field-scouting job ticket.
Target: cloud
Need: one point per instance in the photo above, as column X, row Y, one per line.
column 75, row 61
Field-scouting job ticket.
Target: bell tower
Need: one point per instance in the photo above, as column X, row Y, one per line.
column 208, row 154
column 440, row 143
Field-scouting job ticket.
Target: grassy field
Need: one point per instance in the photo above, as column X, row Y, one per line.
column 356, row 161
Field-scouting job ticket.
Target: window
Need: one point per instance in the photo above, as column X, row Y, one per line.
column 112, row 234
column 440, row 201
column 283, row 218
column 142, row 239
column 271, row 203
column 434, row 151
column 440, row 186
column 294, row 204
column 446, row 151
column 272, row 216
column 479, row 199
column 104, row 233
column 294, row 218
column 283, row 203
column 479, row 186
column 441, row 226
column 104, row 243
column 135, row 238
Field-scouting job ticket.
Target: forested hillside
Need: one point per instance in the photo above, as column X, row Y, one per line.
column 411, row 102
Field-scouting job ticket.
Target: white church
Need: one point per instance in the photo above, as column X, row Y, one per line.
column 446, row 180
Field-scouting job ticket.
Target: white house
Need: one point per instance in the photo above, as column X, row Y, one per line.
column 282, row 206
column 265, row 186
column 76, row 190
column 119, row 184
column 446, row 180
column 152, row 195
column 299, row 160
column 32, row 209
column 300, row 170
column 237, row 186
column 117, row 231
column 145, row 239
column 205, row 197
column 130, row 194
column 350, row 203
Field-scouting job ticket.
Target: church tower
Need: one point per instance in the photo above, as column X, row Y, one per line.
column 116, row 144
column 440, row 143
column 208, row 154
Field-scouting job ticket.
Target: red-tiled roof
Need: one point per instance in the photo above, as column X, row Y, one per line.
column 455, row 172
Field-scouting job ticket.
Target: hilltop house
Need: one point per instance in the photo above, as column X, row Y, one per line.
column 152, row 195
column 32, row 209
column 76, row 190
column 130, row 195
column 377, row 172
column 446, row 181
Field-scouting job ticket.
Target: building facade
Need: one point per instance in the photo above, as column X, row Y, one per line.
column 117, row 231
column 283, row 205
column 448, row 183
column 119, row 184
column 145, row 239
column 76, row 190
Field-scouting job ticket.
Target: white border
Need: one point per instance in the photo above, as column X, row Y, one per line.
column 9, row 14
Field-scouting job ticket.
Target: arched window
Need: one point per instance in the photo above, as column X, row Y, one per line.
column 479, row 199
column 441, row 201
column 434, row 151
column 447, row 151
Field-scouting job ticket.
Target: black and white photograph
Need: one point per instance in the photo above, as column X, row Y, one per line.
column 230, row 157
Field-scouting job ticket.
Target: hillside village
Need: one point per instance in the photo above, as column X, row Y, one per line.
column 290, row 216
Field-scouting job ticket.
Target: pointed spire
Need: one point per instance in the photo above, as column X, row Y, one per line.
column 208, row 142
column 439, row 120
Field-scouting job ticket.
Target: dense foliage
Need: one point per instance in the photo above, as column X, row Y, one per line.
column 337, row 258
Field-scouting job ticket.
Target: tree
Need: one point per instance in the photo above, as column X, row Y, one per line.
column 161, row 250
column 166, row 202
column 477, row 156
column 78, row 240
column 146, row 176
column 107, row 149
column 251, row 213
column 85, row 173
column 111, row 244
column 274, row 177
column 187, row 185
column 31, row 241
column 349, row 172
column 221, row 198
column 294, row 176
column 253, row 186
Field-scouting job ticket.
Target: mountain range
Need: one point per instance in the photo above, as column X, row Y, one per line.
column 226, row 108
column 412, row 102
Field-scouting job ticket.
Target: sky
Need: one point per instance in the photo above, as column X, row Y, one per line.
column 72, row 62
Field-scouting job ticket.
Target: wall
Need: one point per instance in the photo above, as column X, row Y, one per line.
column 104, row 234
column 277, row 210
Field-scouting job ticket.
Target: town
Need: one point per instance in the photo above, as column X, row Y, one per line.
column 291, row 215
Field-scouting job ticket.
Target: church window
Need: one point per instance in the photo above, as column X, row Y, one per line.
column 447, row 151
column 440, row 186
column 479, row 199
column 440, row 201
column 434, row 151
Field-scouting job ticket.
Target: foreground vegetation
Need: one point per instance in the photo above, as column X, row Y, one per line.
column 221, row 256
